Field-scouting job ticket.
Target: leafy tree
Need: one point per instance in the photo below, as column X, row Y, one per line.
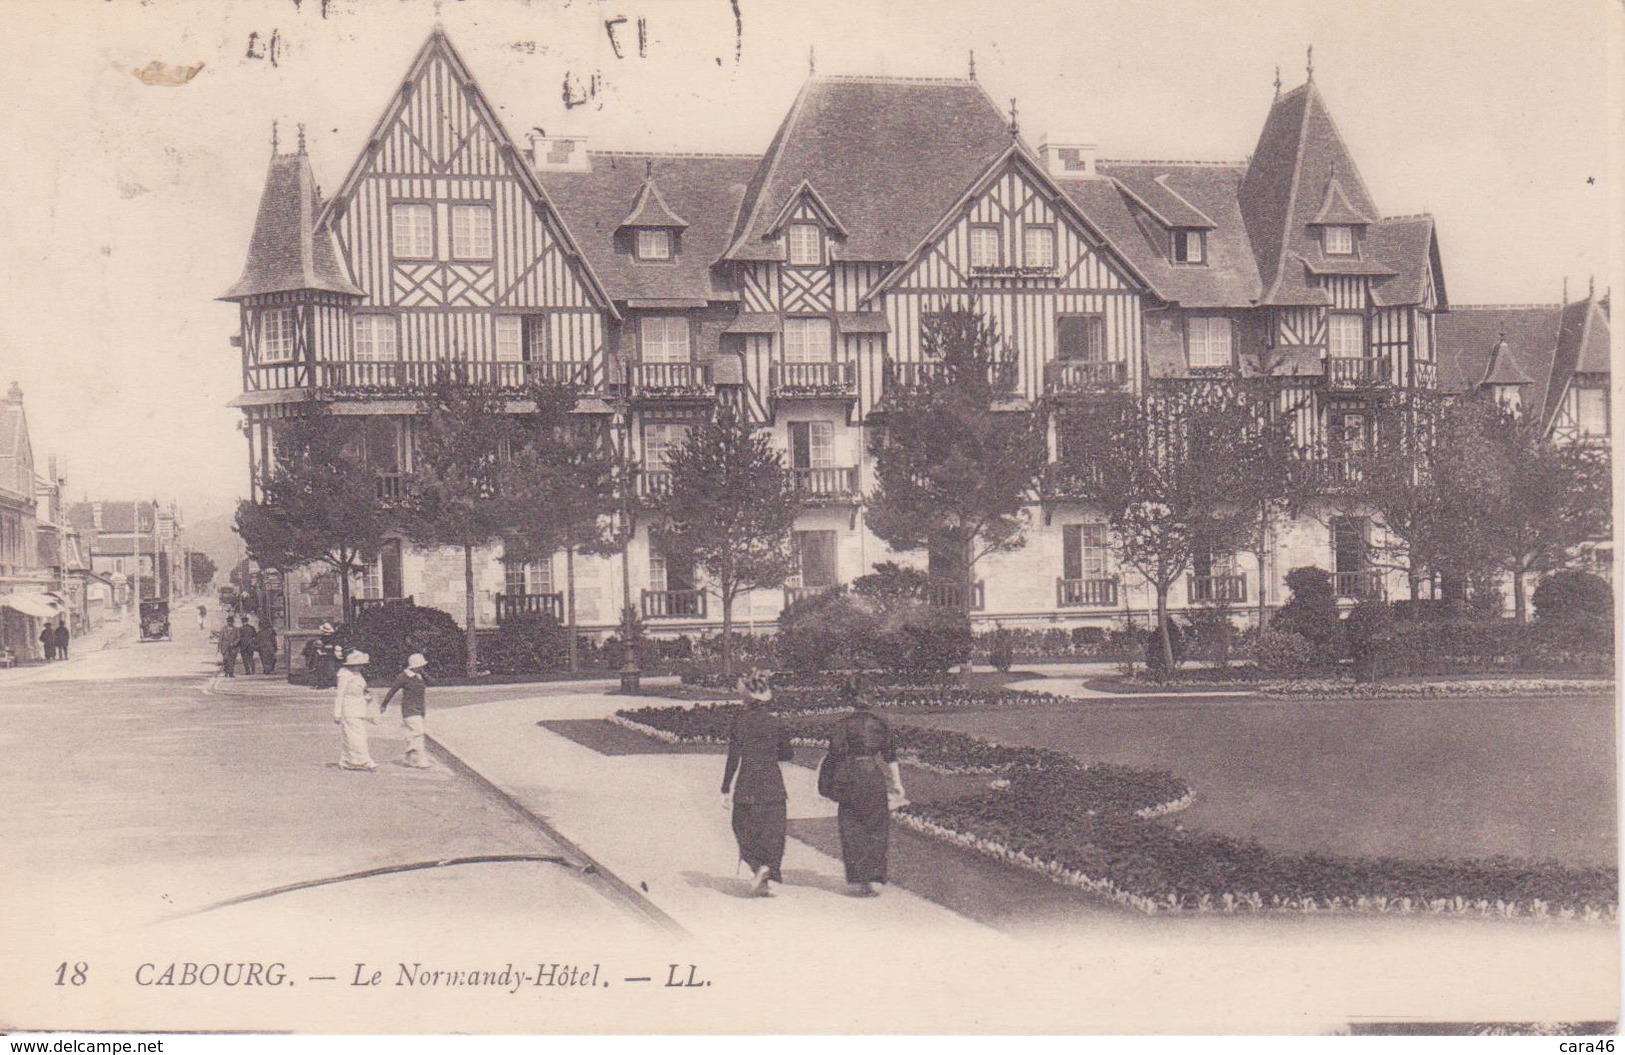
column 730, row 509
column 1534, row 501
column 1170, row 470
column 317, row 504
column 558, row 490
column 453, row 492
column 953, row 471
column 200, row 568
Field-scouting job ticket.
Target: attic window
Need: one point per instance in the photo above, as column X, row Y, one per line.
column 984, row 246
column 805, row 242
column 1190, row 246
column 1338, row 240
column 1038, row 246
column 653, row 243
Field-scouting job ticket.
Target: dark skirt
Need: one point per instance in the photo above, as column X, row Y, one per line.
column 865, row 836
column 759, row 828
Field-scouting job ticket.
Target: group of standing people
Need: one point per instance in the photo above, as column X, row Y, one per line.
column 249, row 644
column 864, row 780
column 54, row 639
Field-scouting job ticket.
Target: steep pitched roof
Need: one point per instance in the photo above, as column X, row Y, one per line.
column 1470, row 338
column 16, row 456
column 1116, row 206
column 288, row 251
column 1290, row 179
column 1583, row 338
column 117, row 517
column 1504, row 368
column 1336, row 208
column 888, row 156
column 704, row 189
column 649, row 209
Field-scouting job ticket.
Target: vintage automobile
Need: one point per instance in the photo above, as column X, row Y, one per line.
column 154, row 620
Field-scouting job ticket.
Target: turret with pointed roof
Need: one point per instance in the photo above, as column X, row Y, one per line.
column 288, row 252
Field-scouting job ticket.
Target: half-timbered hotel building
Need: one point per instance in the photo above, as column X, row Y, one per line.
column 795, row 282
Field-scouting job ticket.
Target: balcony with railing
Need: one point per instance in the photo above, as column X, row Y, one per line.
column 403, row 377
column 1081, row 377
column 670, row 381
column 1351, row 372
column 674, row 604
column 792, row 594
column 944, row 594
column 1064, row 480
column 1096, row 592
column 900, row 379
column 1364, row 585
column 1216, row 589
column 391, row 486
column 832, row 380
column 367, row 604
column 822, row 486
column 512, row 604
column 654, row 483
column 1332, row 474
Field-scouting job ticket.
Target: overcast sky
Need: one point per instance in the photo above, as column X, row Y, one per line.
column 131, row 205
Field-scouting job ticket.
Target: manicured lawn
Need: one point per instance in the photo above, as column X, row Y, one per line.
column 1452, row 778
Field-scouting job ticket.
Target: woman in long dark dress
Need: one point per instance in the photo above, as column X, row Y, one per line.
column 864, row 743
column 757, row 744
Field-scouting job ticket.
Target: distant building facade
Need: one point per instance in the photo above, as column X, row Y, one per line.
column 136, row 546
column 34, row 590
column 794, row 282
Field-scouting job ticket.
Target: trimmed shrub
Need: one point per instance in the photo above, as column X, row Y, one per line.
column 1285, row 654
column 1003, row 654
column 844, row 630
column 1311, row 611
column 391, row 633
column 526, row 643
column 1573, row 594
column 929, row 639
column 1155, row 661
column 1366, row 632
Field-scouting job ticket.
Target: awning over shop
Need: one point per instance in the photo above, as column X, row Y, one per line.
column 33, row 605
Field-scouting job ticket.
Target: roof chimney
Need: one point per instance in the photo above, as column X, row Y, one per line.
column 1069, row 155
column 558, row 153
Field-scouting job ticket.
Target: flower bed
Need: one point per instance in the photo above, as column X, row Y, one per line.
column 1322, row 688
column 1094, row 827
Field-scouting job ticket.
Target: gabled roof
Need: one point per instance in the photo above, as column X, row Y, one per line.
column 16, row 454
column 1408, row 247
column 1469, row 343
column 887, row 156
column 1289, row 179
column 704, row 189
column 649, row 209
column 1335, row 207
column 1165, row 204
column 1230, row 276
column 287, row 251
column 438, row 44
column 806, row 193
column 117, row 517
column 1583, row 338
column 1504, row 368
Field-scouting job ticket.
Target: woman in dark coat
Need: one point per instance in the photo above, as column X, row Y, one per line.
column 756, row 746
column 867, row 754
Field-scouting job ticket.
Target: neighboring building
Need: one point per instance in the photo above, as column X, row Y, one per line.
column 31, row 575
column 1548, row 360
column 795, row 282
column 136, row 546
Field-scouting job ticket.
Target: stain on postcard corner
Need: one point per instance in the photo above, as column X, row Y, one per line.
column 163, row 74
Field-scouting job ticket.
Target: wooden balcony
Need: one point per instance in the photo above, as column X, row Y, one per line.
column 1080, row 377
column 901, row 379
column 944, row 594
column 1216, row 589
column 654, row 483
column 512, row 604
column 1098, row 592
column 391, row 486
column 401, row 377
column 1346, row 373
column 832, row 380
column 1358, row 585
column 838, row 486
column 1331, row 475
column 674, row 604
column 367, row 604
column 670, row 381
column 1062, row 480
column 792, row 594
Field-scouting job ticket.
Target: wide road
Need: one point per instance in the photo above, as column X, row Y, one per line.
column 141, row 794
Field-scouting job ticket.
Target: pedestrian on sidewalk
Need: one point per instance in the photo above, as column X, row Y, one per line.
column 411, row 684
column 47, row 640
column 248, row 643
column 62, row 639
column 202, row 616
column 230, row 638
column 267, row 645
column 325, row 657
column 352, row 710
column 866, row 754
column 757, row 744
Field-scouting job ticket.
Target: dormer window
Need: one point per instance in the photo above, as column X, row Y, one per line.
column 653, row 243
column 1189, row 246
column 805, row 244
column 1338, row 240
column 1038, row 247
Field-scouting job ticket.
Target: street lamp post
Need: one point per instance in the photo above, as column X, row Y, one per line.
column 630, row 674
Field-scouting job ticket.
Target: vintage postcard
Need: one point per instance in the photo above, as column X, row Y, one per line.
column 757, row 517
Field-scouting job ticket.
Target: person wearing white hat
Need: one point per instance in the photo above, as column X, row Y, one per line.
column 411, row 684
column 353, row 713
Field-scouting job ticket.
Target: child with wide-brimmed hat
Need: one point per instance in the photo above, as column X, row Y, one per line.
column 411, row 684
